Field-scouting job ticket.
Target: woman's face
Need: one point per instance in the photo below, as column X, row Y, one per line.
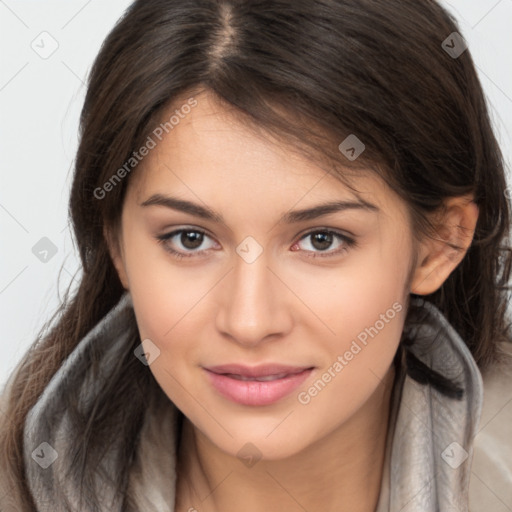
column 270, row 284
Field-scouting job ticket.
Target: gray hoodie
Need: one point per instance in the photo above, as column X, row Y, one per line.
column 442, row 454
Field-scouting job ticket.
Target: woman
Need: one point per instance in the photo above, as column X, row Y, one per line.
column 292, row 220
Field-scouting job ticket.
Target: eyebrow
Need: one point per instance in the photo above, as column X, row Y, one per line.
column 295, row 216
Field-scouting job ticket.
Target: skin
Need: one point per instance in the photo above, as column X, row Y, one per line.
column 214, row 308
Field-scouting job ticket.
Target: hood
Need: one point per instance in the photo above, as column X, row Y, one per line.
column 428, row 454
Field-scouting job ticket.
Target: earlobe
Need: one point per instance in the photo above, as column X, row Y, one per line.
column 438, row 258
column 116, row 256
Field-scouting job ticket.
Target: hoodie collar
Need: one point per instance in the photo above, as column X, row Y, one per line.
column 428, row 453
column 430, row 442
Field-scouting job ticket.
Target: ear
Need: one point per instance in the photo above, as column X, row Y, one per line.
column 438, row 258
column 114, row 244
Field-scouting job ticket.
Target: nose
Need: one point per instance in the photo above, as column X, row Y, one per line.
column 254, row 307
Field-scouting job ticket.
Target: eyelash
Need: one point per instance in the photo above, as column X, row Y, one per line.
column 349, row 242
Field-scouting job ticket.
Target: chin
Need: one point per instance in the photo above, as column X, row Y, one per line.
column 259, row 443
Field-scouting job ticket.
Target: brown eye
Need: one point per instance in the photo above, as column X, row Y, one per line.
column 321, row 240
column 186, row 241
column 191, row 239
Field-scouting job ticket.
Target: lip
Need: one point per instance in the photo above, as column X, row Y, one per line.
column 263, row 370
column 253, row 392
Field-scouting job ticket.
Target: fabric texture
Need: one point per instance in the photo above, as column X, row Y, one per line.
column 429, row 463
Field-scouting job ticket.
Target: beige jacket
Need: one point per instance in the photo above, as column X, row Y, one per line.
column 443, row 455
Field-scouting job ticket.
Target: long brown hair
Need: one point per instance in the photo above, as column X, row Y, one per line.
column 310, row 72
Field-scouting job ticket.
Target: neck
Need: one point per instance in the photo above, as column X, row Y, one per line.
column 341, row 471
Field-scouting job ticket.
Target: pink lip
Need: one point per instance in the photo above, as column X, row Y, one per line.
column 252, row 392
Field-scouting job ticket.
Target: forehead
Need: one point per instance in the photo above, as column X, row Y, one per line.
column 210, row 150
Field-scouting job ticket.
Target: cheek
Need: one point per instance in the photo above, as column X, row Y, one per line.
column 162, row 292
column 368, row 329
column 171, row 327
column 345, row 299
column 362, row 308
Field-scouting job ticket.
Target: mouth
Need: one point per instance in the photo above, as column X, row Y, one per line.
column 256, row 386
column 258, row 379
column 274, row 370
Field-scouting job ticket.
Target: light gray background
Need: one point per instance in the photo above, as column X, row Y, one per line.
column 40, row 102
